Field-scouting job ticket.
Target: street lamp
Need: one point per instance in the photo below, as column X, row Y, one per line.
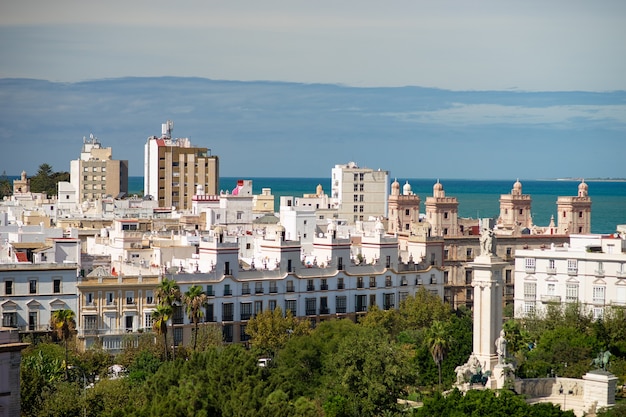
column 564, row 393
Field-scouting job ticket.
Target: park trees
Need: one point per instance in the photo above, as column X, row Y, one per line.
column 63, row 322
column 195, row 300
column 270, row 330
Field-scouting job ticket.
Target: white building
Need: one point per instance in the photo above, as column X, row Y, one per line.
column 359, row 193
column 590, row 270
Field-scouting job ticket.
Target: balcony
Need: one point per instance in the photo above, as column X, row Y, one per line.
column 310, row 287
column 258, row 290
column 290, row 289
column 341, row 310
column 245, row 316
column 387, row 283
column 227, row 317
column 324, row 287
column 359, row 285
column 228, row 292
column 245, row 291
column 387, row 306
column 572, row 271
column 551, row 299
column 360, row 309
column 210, row 293
column 551, row 270
column 340, row 286
column 530, row 269
column 324, row 310
column 620, row 274
column 310, row 312
column 273, row 289
column 210, row 319
column 599, row 273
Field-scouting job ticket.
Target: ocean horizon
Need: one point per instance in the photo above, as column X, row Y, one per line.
column 477, row 198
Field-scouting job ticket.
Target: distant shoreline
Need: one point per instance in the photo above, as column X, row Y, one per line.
column 587, row 179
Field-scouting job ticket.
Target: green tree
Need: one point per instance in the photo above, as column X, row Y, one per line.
column 167, row 294
column 63, row 322
column 438, row 341
column 420, row 311
column 6, row 188
column 41, row 369
column 160, row 316
column 270, row 330
column 195, row 300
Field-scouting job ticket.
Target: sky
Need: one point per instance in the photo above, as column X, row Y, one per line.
column 525, row 86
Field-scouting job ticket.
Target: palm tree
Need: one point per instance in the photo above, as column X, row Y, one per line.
column 161, row 315
column 63, row 322
column 438, row 341
column 167, row 294
column 195, row 299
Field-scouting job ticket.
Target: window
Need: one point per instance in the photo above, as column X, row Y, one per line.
column 130, row 297
column 388, row 301
column 273, row 287
column 361, row 187
column 227, row 333
column 356, row 198
column 32, row 320
column 372, row 282
column 530, row 291
column 340, row 285
column 359, row 282
column 129, row 323
column 388, row 282
column 246, row 311
column 571, row 293
column 149, row 297
column 209, row 291
column 403, row 295
column 310, row 306
column 530, row 264
column 258, row 307
column 56, row 286
column 361, row 175
column 309, row 285
column 445, row 214
column 468, row 253
column 340, row 304
column 372, row 300
column 580, row 214
column 9, row 319
column 109, row 299
column 324, row 305
column 290, row 286
column 598, row 295
column 433, row 279
column 227, row 290
column 445, row 277
column 403, row 281
column 572, row 266
column 507, row 275
column 8, row 287
column 445, row 254
column 407, row 212
column 209, row 313
column 243, row 335
column 355, row 208
column 361, row 303
column 32, row 286
column 468, row 277
column 227, row 312
column 291, row 305
column 361, row 198
column 272, row 305
column 178, row 314
column 551, row 289
column 258, row 288
column 324, row 285
column 178, row 336
column 89, row 298
column 239, row 215
column 387, row 261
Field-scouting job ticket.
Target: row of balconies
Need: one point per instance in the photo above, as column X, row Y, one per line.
column 323, row 287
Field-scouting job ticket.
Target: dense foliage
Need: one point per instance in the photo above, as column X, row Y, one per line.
column 337, row 369
column 45, row 181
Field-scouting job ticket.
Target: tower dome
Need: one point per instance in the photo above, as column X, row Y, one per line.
column 583, row 189
column 517, row 188
column 395, row 188
column 438, row 190
column 319, row 190
column 406, row 189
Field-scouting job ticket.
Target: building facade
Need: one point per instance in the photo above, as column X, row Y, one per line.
column 359, row 194
column 96, row 175
column 174, row 168
column 590, row 270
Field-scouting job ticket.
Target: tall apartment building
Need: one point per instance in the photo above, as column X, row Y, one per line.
column 174, row 168
column 96, row 175
column 359, row 193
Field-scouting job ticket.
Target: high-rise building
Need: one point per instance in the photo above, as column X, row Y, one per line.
column 96, row 175
column 174, row 168
column 359, row 193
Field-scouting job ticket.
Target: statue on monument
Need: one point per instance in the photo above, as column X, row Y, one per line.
column 486, row 241
column 501, row 347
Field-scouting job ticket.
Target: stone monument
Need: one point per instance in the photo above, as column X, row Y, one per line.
column 489, row 345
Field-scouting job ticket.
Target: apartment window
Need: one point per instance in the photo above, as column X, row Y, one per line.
column 129, row 323
column 403, row 281
column 571, row 293
column 209, row 313
column 8, row 287
column 228, row 311
column 56, row 286
column 130, row 297
column 598, row 295
column 580, row 214
column 418, row 280
column 388, row 301
column 243, row 335
column 239, row 215
column 355, row 208
column 551, row 290
column 290, row 287
column 359, row 282
column 291, row 305
column 340, row 263
column 356, row 177
column 178, row 314
column 209, row 291
column 9, row 319
column 572, row 266
column 361, row 303
column 507, row 276
column 551, row 264
column 361, row 209
column 356, row 187
column 32, row 320
column 178, row 336
column 227, row 290
column 433, row 279
column 109, row 298
column 468, row 253
column 509, row 252
column 361, row 176
column 372, row 300
column 32, row 286
column 272, row 305
column 372, row 282
column 273, row 288
column 340, row 285
column 258, row 307
column 445, row 277
column 149, row 297
column 356, row 198
column 361, row 198
column 469, row 294
column 340, row 304
column 361, row 187
column 89, row 298
column 246, row 311
column 310, row 305
column 468, row 277
column 258, row 288
column 530, row 291
column 530, row 264
column 388, row 282
column 529, row 307
column 387, row 261
column 445, row 254
column 445, row 214
column 309, row 285
column 324, row 285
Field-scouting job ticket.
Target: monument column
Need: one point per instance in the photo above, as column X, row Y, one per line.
column 488, row 296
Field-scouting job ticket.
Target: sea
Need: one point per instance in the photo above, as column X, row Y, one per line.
column 477, row 198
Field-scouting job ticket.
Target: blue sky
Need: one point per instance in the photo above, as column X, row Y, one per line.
column 498, row 71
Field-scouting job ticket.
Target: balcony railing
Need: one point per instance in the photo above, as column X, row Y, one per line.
column 387, row 283
column 551, row 270
column 227, row 317
column 290, row 289
column 258, row 290
column 245, row 316
column 620, row 274
column 245, row 291
column 228, row 292
column 600, row 273
column 324, row 287
column 310, row 312
column 273, row 290
column 359, row 285
column 340, row 286
column 361, row 308
column 324, row 310
column 310, row 287
column 530, row 269
column 340, row 310
column 550, row 299
column 572, row 271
